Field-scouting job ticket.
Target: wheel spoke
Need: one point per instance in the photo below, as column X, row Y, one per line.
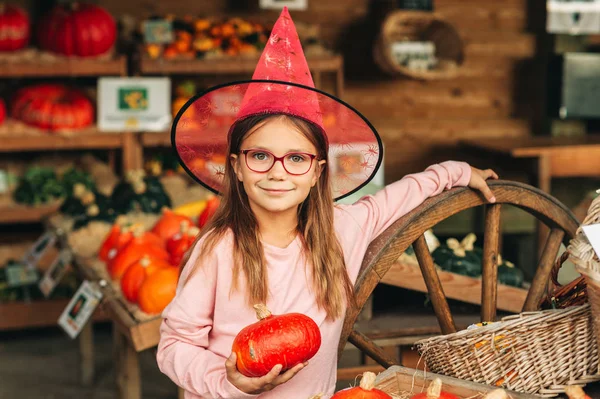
column 434, row 286
column 489, row 279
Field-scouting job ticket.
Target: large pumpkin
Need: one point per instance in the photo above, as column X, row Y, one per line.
column 79, row 29
column 178, row 245
column 53, row 107
column 366, row 390
column 14, row 28
column 287, row 339
column 158, row 290
column 138, row 272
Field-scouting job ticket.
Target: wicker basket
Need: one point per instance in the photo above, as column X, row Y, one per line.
column 405, row 25
column 533, row 352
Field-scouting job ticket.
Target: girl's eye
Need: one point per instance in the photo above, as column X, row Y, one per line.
column 260, row 156
column 297, row 158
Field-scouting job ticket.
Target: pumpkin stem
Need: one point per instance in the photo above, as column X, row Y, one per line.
column 367, row 382
column 261, row 311
column 574, row 392
column 435, row 389
column 497, row 394
column 145, row 261
column 193, row 231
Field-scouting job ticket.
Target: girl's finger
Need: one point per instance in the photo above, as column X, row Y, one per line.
column 289, row 374
column 268, row 379
column 487, row 193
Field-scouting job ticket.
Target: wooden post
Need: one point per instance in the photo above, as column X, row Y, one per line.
column 86, row 354
column 127, row 367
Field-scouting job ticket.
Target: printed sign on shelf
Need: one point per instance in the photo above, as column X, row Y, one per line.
column 134, row 104
column 35, row 252
column 80, row 308
column 55, row 272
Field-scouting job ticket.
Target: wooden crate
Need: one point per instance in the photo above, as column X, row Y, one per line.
column 402, row 382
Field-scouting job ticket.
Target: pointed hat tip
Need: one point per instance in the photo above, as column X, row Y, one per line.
column 285, row 12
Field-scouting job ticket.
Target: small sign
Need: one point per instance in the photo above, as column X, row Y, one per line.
column 35, row 252
column 279, row 4
column 592, row 233
column 80, row 308
column 19, row 274
column 414, row 55
column 158, row 31
column 55, row 272
column 3, row 181
column 134, row 104
column 573, row 17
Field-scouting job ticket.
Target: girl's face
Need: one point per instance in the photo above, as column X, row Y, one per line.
column 276, row 190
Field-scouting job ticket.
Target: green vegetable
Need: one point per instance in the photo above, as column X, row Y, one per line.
column 138, row 192
column 461, row 258
column 37, row 186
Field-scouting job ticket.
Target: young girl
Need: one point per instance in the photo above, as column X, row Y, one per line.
column 277, row 237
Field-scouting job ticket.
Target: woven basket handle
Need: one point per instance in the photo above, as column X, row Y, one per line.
column 556, row 268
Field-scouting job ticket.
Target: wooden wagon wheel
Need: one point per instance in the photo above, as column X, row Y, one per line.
column 409, row 229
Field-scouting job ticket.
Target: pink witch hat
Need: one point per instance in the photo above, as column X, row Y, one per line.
column 281, row 84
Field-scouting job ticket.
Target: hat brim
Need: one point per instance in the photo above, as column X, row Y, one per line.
column 199, row 134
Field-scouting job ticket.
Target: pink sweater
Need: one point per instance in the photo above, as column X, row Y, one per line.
column 203, row 319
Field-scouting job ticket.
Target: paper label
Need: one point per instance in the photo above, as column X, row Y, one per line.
column 80, row 308
column 55, row 272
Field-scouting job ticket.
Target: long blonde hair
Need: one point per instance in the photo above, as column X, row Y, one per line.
column 330, row 282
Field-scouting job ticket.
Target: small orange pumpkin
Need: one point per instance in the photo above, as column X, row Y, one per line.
column 366, row 390
column 136, row 274
column 576, row 392
column 133, row 251
column 169, row 224
column 158, row 290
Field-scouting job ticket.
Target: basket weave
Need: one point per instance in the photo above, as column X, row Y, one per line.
column 533, row 352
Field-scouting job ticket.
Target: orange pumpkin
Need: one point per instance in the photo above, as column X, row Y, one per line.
column 136, row 274
column 434, row 391
column 158, row 290
column 366, row 390
column 134, row 251
column 170, row 224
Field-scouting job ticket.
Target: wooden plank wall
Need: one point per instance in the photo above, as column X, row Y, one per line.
column 499, row 90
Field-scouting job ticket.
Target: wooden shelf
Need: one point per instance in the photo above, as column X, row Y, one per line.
column 20, row 315
column 36, row 66
column 158, row 139
column 26, row 214
column 230, row 65
column 36, row 140
column 456, row 286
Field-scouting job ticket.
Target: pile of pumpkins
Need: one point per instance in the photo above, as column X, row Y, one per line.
column 73, row 29
column 146, row 264
column 202, row 37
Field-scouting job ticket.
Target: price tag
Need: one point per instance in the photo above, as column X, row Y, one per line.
column 19, row 274
column 55, row 272
column 592, row 233
column 80, row 308
column 35, row 252
column 158, row 31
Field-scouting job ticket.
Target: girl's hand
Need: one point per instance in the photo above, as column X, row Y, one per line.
column 258, row 385
column 477, row 182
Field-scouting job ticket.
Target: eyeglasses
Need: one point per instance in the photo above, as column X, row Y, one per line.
column 294, row 163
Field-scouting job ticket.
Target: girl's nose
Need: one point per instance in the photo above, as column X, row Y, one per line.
column 277, row 172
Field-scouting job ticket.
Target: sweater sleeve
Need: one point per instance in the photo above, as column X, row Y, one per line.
column 375, row 213
column 184, row 335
